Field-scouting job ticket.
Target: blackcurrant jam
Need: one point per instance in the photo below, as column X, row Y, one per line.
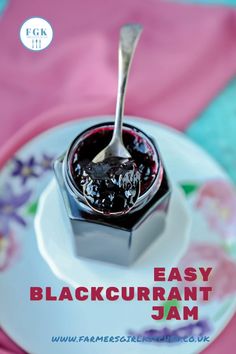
column 91, row 143
column 112, row 185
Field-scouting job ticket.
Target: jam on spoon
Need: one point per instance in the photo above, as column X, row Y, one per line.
column 112, row 183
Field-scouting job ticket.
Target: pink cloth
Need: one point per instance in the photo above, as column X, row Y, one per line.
column 7, row 346
column 185, row 56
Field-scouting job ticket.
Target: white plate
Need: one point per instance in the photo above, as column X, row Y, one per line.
column 32, row 325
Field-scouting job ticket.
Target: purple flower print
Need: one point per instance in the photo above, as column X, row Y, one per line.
column 9, row 205
column 173, row 335
column 46, row 162
column 25, row 169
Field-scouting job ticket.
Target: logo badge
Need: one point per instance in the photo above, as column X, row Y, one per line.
column 36, row 34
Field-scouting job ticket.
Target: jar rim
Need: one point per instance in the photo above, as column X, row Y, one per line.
column 69, row 180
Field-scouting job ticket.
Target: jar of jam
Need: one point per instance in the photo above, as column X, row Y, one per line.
column 106, row 236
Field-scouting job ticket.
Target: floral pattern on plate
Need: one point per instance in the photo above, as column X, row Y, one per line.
column 16, row 205
column 215, row 200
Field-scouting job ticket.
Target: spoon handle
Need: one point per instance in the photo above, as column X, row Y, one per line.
column 129, row 36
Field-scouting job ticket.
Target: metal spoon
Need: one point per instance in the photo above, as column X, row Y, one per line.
column 129, row 36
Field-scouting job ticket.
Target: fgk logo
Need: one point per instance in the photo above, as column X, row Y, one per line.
column 36, row 33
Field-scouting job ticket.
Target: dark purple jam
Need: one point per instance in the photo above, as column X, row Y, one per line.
column 111, row 186
column 92, row 142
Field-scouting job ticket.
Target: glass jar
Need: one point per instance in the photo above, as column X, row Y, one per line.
column 115, row 238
